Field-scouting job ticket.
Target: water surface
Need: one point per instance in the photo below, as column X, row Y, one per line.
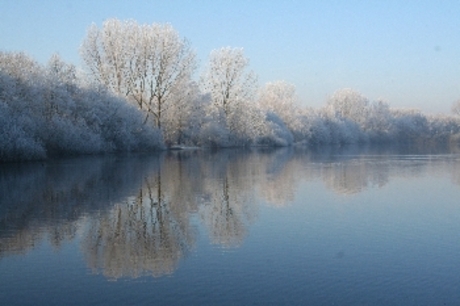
column 350, row 226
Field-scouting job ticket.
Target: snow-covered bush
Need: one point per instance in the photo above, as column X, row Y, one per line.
column 47, row 111
column 408, row 124
column 443, row 127
column 275, row 132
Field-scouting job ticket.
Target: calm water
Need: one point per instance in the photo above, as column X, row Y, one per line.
column 263, row 227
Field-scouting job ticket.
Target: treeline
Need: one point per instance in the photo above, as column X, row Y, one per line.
column 139, row 93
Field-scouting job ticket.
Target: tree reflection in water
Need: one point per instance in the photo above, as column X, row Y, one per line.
column 47, row 200
column 146, row 234
column 137, row 215
column 228, row 204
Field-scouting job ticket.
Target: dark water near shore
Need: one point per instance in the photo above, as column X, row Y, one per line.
column 349, row 226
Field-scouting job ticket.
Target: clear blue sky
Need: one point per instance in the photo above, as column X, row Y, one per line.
column 406, row 52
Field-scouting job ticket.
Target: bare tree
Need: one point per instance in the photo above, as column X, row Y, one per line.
column 144, row 63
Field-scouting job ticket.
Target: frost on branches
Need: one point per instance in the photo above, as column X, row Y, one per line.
column 139, row 93
column 47, row 111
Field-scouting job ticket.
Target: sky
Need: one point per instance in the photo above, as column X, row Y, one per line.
column 404, row 52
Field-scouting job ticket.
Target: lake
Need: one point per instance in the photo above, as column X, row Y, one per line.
column 289, row 226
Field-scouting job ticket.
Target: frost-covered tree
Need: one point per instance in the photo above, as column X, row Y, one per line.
column 145, row 63
column 21, row 107
column 408, row 124
column 456, row 107
column 349, row 104
column 378, row 123
column 361, row 119
column 231, row 87
column 61, row 88
column 443, row 127
column 184, row 117
column 45, row 110
column 280, row 99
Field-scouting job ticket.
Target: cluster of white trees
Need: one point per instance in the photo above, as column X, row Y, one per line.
column 47, row 110
column 140, row 93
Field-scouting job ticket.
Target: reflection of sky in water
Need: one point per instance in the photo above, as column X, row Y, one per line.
column 283, row 226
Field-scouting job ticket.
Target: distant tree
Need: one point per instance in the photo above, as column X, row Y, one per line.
column 349, row 104
column 21, row 107
column 144, row 63
column 456, row 107
column 409, row 124
column 280, row 99
column 443, row 127
column 62, row 87
column 378, row 123
column 229, row 84
column 183, row 117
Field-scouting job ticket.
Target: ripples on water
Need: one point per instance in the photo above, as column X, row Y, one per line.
column 289, row 226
